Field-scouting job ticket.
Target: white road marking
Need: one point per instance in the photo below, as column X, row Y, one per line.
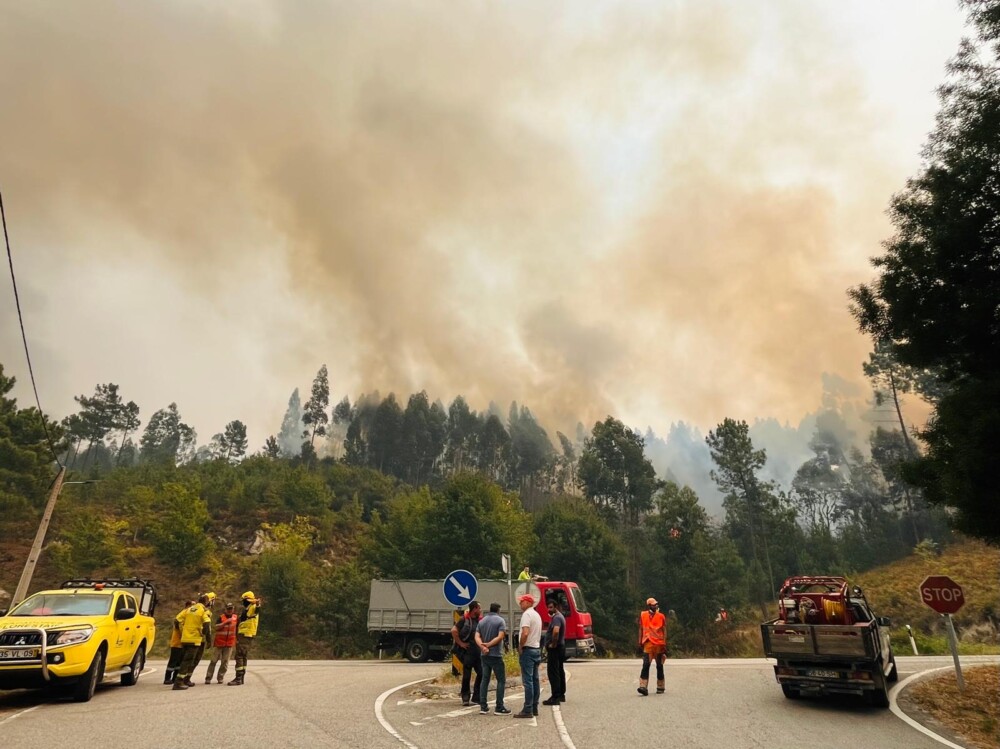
column 910, row 721
column 561, row 727
column 16, row 715
column 381, row 718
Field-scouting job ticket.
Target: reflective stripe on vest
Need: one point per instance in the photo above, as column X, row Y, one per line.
column 654, row 628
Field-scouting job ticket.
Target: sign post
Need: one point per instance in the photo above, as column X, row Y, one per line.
column 505, row 564
column 946, row 597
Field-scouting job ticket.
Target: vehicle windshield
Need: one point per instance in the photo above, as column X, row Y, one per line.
column 581, row 605
column 81, row 604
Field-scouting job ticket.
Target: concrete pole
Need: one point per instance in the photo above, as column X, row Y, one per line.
column 36, row 548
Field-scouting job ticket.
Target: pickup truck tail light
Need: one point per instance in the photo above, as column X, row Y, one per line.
column 860, row 675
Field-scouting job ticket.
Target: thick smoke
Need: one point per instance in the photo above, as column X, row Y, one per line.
column 651, row 211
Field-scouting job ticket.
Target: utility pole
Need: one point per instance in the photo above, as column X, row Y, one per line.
column 36, row 548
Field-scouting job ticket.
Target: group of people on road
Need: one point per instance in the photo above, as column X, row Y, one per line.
column 479, row 645
column 193, row 630
column 478, row 642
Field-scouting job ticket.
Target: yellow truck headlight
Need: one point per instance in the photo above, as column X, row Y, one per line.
column 72, row 636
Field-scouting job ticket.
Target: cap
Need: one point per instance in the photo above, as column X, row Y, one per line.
column 651, row 602
column 230, row 606
column 526, row 597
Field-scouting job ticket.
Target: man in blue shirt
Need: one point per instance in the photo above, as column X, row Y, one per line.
column 489, row 638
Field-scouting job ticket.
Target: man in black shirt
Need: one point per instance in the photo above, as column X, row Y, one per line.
column 555, row 652
column 464, row 636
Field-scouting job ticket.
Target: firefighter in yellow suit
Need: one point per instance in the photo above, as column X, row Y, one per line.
column 195, row 625
column 246, row 630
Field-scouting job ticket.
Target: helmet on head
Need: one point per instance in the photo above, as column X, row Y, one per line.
column 248, row 596
column 210, row 596
column 651, row 602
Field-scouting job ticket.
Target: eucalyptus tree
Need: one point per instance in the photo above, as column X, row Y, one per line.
column 314, row 415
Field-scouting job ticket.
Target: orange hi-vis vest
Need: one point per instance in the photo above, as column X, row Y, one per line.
column 654, row 628
column 225, row 632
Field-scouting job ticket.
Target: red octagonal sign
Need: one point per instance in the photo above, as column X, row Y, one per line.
column 942, row 594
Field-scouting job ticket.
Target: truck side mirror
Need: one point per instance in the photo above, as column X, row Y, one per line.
column 3, row 612
column 884, row 621
column 123, row 614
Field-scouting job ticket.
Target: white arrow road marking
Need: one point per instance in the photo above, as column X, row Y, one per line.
column 463, row 592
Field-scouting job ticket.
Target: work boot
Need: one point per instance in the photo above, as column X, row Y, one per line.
column 660, row 686
column 237, row 682
column 220, row 679
column 208, row 681
column 189, row 683
column 643, row 684
column 180, row 686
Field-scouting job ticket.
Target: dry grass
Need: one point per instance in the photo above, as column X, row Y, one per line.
column 893, row 591
column 974, row 713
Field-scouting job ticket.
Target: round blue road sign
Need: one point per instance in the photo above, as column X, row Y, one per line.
column 460, row 587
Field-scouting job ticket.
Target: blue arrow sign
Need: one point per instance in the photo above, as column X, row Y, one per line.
column 460, row 587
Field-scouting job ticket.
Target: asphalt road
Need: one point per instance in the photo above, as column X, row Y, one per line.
column 708, row 703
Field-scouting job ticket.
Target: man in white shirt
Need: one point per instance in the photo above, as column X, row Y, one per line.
column 529, row 646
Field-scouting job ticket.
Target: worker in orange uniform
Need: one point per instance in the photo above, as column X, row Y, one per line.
column 246, row 631
column 225, row 641
column 653, row 642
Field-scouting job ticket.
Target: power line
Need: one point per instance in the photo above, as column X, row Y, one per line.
column 24, row 337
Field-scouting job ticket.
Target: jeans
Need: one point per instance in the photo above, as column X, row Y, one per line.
column 493, row 664
column 531, row 677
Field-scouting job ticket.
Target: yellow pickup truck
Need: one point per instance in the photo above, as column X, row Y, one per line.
column 75, row 636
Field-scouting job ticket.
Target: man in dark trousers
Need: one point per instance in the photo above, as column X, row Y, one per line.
column 464, row 636
column 555, row 652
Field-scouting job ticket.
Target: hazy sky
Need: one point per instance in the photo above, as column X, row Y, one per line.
column 649, row 209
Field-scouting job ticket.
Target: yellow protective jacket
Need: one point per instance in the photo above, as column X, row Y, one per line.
column 248, row 621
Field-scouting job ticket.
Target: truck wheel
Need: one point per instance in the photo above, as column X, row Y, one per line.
column 893, row 676
column 135, row 667
column 417, row 651
column 85, row 687
column 879, row 696
column 790, row 693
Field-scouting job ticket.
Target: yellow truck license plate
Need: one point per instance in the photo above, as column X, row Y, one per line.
column 18, row 653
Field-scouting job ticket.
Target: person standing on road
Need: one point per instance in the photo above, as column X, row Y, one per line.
column 195, row 624
column 489, row 637
column 529, row 646
column 246, row 631
column 225, row 641
column 176, row 651
column 653, row 642
column 464, row 636
column 555, row 652
column 208, row 638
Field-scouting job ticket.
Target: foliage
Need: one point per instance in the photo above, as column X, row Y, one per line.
column 427, row 534
column 615, row 474
column 575, row 544
column 341, row 607
column 25, row 456
column 290, row 437
column 314, row 416
column 177, row 527
column 167, row 439
column 90, row 542
column 934, row 301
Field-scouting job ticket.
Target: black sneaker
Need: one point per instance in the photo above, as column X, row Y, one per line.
column 523, row 714
column 551, row 701
column 534, row 712
column 643, row 691
column 466, row 703
column 483, row 710
column 502, row 711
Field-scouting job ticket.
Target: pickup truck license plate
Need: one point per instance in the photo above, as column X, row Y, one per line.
column 822, row 673
column 18, row 653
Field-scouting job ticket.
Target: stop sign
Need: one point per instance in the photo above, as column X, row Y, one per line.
column 942, row 594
